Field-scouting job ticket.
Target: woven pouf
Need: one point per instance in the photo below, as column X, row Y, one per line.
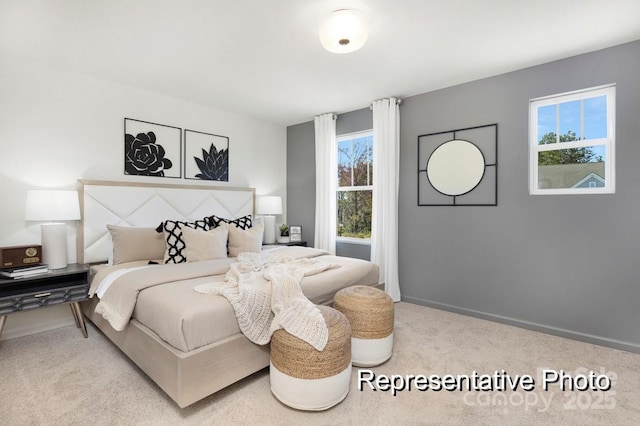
column 307, row 379
column 370, row 312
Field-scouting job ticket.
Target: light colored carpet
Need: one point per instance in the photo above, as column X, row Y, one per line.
column 60, row 378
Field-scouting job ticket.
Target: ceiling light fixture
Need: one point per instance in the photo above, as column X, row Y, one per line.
column 343, row 31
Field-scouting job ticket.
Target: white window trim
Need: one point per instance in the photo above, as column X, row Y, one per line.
column 609, row 142
column 354, row 135
column 339, row 138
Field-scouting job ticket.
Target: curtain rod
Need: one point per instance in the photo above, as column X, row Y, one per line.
column 398, row 102
column 334, row 116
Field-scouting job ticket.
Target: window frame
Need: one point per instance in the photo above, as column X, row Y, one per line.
column 609, row 91
column 340, row 138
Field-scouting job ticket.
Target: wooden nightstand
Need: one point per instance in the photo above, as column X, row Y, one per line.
column 66, row 285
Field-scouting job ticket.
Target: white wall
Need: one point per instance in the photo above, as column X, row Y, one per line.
column 57, row 127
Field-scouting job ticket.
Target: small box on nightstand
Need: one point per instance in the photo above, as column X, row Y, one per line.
column 11, row 257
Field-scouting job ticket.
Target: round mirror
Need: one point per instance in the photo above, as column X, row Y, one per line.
column 455, row 167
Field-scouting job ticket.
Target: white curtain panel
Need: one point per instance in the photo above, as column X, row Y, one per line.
column 386, row 159
column 326, row 177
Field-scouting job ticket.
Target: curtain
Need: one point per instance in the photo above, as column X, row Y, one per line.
column 326, row 181
column 384, row 225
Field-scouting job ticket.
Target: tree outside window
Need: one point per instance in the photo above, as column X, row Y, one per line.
column 355, row 189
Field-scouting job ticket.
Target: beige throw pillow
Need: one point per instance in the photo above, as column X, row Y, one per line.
column 205, row 245
column 245, row 240
column 133, row 243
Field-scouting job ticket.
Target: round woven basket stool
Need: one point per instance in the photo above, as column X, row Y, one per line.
column 370, row 312
column 307, row 379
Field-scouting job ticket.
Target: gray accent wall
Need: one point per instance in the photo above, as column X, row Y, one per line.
column 354, row 121
column 566, row 264
column 301, row 179
column 562, row 264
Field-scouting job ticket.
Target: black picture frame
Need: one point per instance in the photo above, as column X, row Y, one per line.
column 152, row 149
column 295, row 233
column 206, row 156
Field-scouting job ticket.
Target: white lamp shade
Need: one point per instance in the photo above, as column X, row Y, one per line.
column 343, row 31
column 269, row 205
column 51, row 205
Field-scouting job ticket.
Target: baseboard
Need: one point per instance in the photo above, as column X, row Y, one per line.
column 569, row 334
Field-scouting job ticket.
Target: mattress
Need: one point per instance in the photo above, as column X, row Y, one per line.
column 188, row 320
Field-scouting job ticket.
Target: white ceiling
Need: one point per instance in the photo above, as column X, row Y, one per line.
column 263, row 58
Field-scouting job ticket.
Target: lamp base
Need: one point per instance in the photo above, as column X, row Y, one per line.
column 54, row 245
column 269, row 236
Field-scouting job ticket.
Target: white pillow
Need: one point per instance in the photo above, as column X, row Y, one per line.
column 241, row 240
column 205, row 245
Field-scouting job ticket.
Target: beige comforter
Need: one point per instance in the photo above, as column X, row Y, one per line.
column 188, row 320
column 119, row 301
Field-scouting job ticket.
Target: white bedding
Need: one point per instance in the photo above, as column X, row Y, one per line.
column 264, row 290
column 106, row 282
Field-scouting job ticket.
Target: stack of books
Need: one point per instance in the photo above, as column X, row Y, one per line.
column 24, row 271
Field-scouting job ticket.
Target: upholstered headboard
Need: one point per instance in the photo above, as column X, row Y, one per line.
column 146, row 204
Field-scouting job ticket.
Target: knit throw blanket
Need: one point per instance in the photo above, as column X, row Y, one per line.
column 264, row 290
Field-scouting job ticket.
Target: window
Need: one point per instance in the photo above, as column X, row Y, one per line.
column 572, row 141
column 355, row 185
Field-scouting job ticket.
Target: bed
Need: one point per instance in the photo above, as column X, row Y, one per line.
column 188, row 343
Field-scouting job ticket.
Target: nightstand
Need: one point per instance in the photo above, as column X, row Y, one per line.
column 65, row 285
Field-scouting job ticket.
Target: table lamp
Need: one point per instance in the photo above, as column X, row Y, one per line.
column 53, row 206
column 268, row 206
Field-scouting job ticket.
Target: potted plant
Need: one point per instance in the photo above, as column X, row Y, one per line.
column 284, row 234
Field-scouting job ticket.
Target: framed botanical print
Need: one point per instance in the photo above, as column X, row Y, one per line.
column 206, row 156
column 152, row 149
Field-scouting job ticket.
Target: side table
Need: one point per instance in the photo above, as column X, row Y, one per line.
column 65, row 285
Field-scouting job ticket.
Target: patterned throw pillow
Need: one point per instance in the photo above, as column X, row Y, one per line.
column 243, row 222
column 173, row 237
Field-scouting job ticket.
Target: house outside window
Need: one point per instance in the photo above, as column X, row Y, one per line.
column 355, row 187
column 572, row 142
